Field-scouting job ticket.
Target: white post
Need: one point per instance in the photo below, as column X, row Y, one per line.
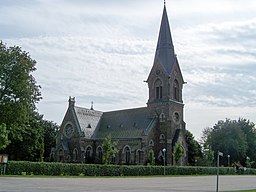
column 218, row 165
column 164, row 159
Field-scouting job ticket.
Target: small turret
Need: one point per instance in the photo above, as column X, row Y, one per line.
column 71, row 101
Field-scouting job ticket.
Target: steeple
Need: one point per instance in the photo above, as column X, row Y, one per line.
column 165, row 51
column 165, row 79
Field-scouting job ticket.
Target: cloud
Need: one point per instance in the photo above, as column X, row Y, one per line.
column 218, row 61
column 102, row 51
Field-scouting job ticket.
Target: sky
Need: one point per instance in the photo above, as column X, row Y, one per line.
column 102, row 51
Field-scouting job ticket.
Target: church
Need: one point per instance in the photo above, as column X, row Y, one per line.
column 158, row 126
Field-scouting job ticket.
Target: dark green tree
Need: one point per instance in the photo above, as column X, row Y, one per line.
column 3, row 136
column 249, row 130
column 233, row 138
column 19, row 94
column 151, row 157
column 109, row 149
column 178, row 152
column 50, row 132
column 194, row 149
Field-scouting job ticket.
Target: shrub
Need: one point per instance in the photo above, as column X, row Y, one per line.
column 56, row 169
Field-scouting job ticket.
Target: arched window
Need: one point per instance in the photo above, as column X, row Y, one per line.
column 151, row 143
column 162, row 137
column 139, row 156
column 75, row 154
column 61, row 155
column 127, row 153
column 158, row 89
column 99, row 153
column 88, row 154
column 176, row 90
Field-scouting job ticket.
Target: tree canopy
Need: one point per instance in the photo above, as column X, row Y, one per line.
column 236, row 138
column 109, row 149
column 194, row 148
column 19, row 94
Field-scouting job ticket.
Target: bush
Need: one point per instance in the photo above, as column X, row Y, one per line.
column 57, row 169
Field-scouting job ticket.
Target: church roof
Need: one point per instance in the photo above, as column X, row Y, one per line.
column 88, row 120
column 165, row 51
column 126, row 124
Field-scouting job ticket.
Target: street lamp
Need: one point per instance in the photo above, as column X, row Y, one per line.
column 248, row 162
column 164, row 150
column 228, row 160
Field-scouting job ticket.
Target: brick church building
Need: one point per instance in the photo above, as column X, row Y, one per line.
column 157, row 126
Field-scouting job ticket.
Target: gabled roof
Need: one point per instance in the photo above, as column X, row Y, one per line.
column 88, row 120
column 126, row 124
column 164, row 54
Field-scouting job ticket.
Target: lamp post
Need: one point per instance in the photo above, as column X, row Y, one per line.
column 218, row 165
column 248, row 162
column 164, row 150
column 228, row 160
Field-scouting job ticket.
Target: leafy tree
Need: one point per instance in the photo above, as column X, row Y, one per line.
column 178, row 152
column 3, row 136
column 50, row 132
column 249, row 130
column 19, row 94
column 234, row 138
column 151, row 157
column 194, row 148
column 109, row 149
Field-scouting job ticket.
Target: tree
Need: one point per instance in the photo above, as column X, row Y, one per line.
column 194, row 148
column 109, row 149
column 19, row 94
column 50, row 132
column 151, row 157
column 233, row 138
column 3, row 136
column 178, row 152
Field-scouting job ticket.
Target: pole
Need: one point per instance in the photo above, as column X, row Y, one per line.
column 218, row 165
column 218, row 162
column 164, row 159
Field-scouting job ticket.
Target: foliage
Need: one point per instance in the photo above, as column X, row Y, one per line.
column 19, row 94
column 109, row 149
column 236, row 138
column 50, row 132
column 43, row 168
column 178, row 152
column 151, row 157
column 3, row 136
column 194, row 149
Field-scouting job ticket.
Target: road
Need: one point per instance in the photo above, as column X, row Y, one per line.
column 137, row 184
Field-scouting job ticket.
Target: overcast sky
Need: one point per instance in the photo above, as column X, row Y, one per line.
column 102, row 51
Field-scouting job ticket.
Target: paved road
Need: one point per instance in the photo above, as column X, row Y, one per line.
column 145, row 184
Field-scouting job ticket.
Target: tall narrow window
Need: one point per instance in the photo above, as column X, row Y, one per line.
column 75, row 154
column 99, row 150
column 127, row 154
column 61, row 155
column 88, row 153
column 176, row 90
column 158, row 89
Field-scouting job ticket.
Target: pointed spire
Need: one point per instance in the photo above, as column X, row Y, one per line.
column 165, row 50
column 92, row 105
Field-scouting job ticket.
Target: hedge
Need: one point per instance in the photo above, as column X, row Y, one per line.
column 57, row 169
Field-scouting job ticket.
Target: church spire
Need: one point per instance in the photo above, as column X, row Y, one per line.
column 165, row 51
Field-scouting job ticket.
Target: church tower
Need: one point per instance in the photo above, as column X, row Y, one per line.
column 165, row 83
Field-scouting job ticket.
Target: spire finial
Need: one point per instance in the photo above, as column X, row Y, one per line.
column 164, row 2
column 92, row 105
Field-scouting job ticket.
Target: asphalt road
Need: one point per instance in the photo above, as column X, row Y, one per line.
column 140, row 184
